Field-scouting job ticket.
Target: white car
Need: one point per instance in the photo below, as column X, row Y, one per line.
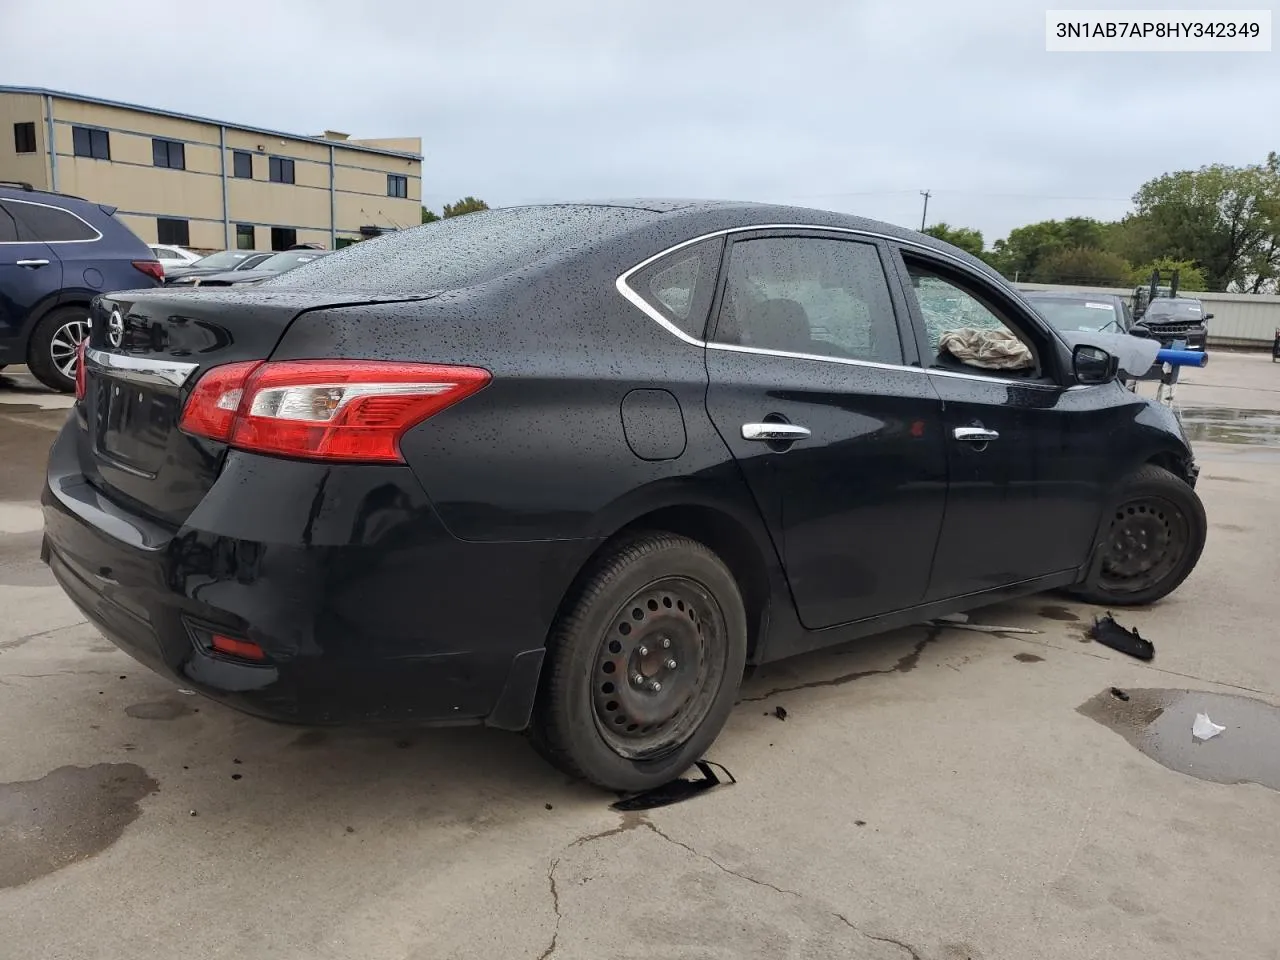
column 171, row 256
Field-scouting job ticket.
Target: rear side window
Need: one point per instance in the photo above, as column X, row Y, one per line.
column 680, row 285
column 8, row 225
column 462, row 251
column 46, row 224
column 809, row 295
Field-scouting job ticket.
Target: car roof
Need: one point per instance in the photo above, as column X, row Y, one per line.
column 1068, row 295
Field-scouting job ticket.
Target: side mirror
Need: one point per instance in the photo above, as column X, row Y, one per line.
column 1208, row 316
column 1092, row 364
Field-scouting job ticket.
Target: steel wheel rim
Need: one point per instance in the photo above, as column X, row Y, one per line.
column 672, row 620
column 65, row 346
column 1147, row 540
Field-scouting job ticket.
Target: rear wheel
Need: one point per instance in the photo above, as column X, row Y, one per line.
column 1153, row 541
column 643, row 665
column 52, row 353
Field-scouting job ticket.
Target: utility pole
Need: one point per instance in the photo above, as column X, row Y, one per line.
column 925, row 212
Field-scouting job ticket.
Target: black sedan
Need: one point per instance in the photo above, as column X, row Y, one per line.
column 572, row 467
column 265, row 269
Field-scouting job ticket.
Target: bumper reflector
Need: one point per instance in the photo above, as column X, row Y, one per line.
column 244, row 649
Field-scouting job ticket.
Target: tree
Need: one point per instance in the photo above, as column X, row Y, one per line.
column 1019, row 255
column 1224, row 219
column 1085, row 266
column 1189, row 278
column 967, row 239
column 465, row 205
column 429, row 215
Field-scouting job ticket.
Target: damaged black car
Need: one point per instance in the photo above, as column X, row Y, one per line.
column 570, row 468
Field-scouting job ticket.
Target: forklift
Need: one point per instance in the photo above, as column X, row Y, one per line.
column 1142, row 296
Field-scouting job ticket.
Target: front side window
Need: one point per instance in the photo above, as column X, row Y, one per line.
column 46, row 224
column 281, row 170
column 397, row 186
column 809, row 295
column 168, row 153
column 965, row 333
column 91, row 142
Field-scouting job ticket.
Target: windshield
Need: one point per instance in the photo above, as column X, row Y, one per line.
column 225, row 260
column 463, row 251
column 1090, row 315
column 1176, row 309
column 280, row 262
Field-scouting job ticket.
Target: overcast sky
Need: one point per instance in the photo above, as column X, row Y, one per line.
column 854, row 105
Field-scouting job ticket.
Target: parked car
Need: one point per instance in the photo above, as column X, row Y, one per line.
column 1169, row 319
column 217, row 263
column 58, row 252
column 1071, row 311
column 173, row 257
column 570, row 468
column 263, row 270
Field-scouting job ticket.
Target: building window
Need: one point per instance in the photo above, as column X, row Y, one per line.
column 90, row 142
column 245, row 239
column 173, row 231
column 397, row 186
column 169, row 153
column 282, row 238
column 24, row 137
column 281, row 170
column 242, row 162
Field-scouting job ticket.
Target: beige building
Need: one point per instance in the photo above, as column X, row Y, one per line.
column 206, row 184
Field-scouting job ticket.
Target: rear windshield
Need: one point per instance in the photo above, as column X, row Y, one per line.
column 287, row 261
column 460, row 251
column 1090, row 315
column 224, row 260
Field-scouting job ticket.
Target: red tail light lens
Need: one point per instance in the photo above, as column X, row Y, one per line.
column 244, row 649
column 345, row 410
column 152, row 268
column 80, row 349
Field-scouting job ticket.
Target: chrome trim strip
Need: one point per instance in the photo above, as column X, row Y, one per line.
column 139, row 369
column 630, row 294
column 53, row 206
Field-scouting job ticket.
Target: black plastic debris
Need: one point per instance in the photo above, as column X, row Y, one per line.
column 1119, row 694
column 780, row 712
column 674, row 791
column 1110, row 634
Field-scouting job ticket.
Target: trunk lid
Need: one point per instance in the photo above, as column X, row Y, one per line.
column 146, row 351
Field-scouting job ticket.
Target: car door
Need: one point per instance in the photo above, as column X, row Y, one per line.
column 30, row 278
column 1028, row 453
column 837, row 437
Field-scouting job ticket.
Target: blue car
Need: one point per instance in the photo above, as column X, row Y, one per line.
column 56, row 254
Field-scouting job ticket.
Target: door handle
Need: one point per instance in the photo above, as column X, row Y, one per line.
column 33, row 263
column 976, row 434
column 774, row 432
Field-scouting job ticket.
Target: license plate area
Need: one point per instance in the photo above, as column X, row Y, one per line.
column 133, row 425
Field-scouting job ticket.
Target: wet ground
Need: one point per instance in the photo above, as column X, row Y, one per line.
column 933, row 793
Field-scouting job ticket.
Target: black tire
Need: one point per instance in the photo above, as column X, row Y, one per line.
column 647, row 601
column 1152, row 543
column 48, row 338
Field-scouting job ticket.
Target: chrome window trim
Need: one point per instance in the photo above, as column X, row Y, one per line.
column 139, row 369
column 633, row 297
column 52, row 206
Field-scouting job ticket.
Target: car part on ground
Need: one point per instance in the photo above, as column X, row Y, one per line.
column 1109, row 633
column 596, row 444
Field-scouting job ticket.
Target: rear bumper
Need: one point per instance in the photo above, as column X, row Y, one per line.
column 367, row 609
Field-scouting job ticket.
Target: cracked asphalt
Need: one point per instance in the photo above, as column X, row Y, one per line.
column 933, row 793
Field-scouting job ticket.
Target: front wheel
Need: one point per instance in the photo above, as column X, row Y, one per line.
column 1153, row 541
column 643, row 665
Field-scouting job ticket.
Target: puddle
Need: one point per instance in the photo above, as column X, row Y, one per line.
column 1258, row 428
column 159, row 710
column 1158, row 722
column 70, row 814
column 1058, row 613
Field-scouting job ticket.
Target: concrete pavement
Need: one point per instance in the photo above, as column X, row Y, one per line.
column 932, row 794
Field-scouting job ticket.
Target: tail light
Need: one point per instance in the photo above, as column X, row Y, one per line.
column 152, row 268
column 346, row 410
column 80, row 349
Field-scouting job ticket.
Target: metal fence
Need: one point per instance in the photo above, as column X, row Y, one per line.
column 1239, row 319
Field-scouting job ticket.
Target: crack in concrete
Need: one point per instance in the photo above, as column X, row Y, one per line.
column 905, row 664
column 555, row 904
column 634, row 820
